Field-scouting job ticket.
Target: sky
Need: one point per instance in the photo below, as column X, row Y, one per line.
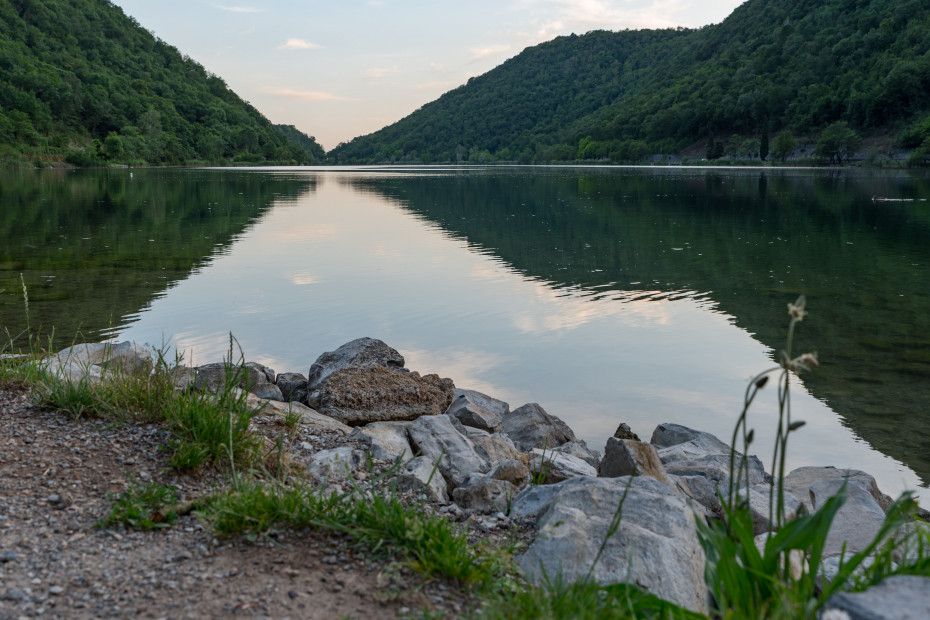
column 338, row 69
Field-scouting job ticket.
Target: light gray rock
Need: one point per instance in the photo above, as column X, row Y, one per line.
column 580, row 450
column 217, row 376
column 655, row 547
column 800, row 481
column 268, row 391
column 269, row 373
column 531, row 427
column 856, row 523
column 758, row 497
column 530, row 501
column 496, row 448
column 386, row 441
column 627, row 457
column 437, row 439
column 471, row 414
column 91, row 361
column 485, row 494
column 358, row 396
column 359, row 353
column 513, row 471
column 488, row 403
column 716, row 467
column 293, row 386
column 900, row 597
column 549, row 467
column 336, row 465
column 702, row 490
column 421, row 475
column 309, row 418
column 668, row 434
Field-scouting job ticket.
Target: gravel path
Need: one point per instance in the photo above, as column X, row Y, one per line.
column 55, row 476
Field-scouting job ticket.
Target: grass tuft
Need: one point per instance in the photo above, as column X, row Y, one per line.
column 139, row 506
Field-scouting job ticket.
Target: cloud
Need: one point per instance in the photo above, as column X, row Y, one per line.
column 304, row 95
column 239, row 9
column 580, row 16
column 435, row 66
column 298, row 44
column 486, row 51
column 380, row 72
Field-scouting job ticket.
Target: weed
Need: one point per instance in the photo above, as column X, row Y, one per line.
column 139, row 505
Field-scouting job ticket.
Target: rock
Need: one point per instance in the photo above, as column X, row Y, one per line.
column 702, row 490
column 336, row 465
column 858, row 520
column 485, row 494
column 91, row 361
column 550, row 467
column 421, row 475
column 531, row 427
column 359, row 396
column 495, row 448
column 308, row 417
column 437, row 439
column 530, row 501
column 715, row 467
column 667, row 434
column 488, row 403
column 386, row 441
column 797, row 563
column 625, row 432
column 513, row 471
column 293, row 386
column 896, row 597
column 758, row 497
column 265, row 370
column 268, row 391
column 470, row 414
column 799, row 482
column 628, row 457
column 580, row 449
column 220, row 375
column 656, row 546
column 359, row 353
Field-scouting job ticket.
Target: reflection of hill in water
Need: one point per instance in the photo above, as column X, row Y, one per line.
column 95, row 247
column 752, row 241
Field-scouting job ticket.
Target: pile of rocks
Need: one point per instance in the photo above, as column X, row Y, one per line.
column 468, row 451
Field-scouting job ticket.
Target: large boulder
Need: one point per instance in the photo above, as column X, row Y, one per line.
column 494, row 447
column 656, row 546
column 800, row 481
column 91, row 361
column 628, row 457
column 549, row 467
column 580, row 450
column 896, row 597
column 252, row 376
column 387, row 441
column 530, row 426
column 308, row 418
column 467, row 411
column 488, row 403
column 667, row 434
column 359, row 353
column 436, row 438
column 359, row 396
column 293, row 386
column 856, row 523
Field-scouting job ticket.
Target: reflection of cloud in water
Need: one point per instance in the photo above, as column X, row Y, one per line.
column 311, row 232
column 304, row 278
column 203, row 348
column 466, row 368
column 384, row 251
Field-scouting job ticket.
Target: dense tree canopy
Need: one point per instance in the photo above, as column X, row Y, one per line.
column 80, row 79
column 772, row 65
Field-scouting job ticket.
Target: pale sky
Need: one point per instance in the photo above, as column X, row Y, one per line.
column 338, row 69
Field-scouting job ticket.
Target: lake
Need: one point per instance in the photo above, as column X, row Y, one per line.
column 607, row 295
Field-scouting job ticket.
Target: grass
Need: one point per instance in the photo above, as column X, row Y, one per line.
column 139, row 506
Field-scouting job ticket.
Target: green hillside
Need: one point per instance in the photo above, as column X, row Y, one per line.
column 772, row 67
column 83, row 82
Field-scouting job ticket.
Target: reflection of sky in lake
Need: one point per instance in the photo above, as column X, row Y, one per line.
column 340, row 264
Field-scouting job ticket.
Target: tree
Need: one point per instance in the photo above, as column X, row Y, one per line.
column 837, row 142
column 764, row 145
column 784, row 145
column 113, row 146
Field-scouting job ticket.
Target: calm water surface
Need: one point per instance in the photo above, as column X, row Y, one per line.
column 606, row 295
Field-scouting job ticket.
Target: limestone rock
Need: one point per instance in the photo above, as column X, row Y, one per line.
column 469, row 413
column 361, row 395
column 627, row 457
column 485, row 494
column 858, row 520
column 359, row 353
column 896, row 597
column 92, row 360
column 799, row 482
column 550, row 467
column 308, row 417
column 421, row 475
column 386, row 441
column 667, row 434
column 437, row 439
column 531, row 501
column 580, row 449
column 655, row 547
column 336, row 465
column 496, row 447
column 513, row 471
column 488, row 403
column 715, row 467
column 219, row 375
column 531, row 427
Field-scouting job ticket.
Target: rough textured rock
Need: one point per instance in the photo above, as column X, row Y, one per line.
column 531, row 427
column 437, row 439
column 336, row 465
column 495, row 448
column 93, row 360
column 656, row 546
column 513, row 471
column 265, row 370
column 488, row 403
column 485, row 494
column 898, row 597
column 625, row 432
column 268, row 391
column 293, row 386
column 715, row 467
column 759, row 506
column 471, row 414
column 308, row 417
column 667, row 434
column 359, row 353
column 858, row 520
column 800, row 481
column 580, row 449
column 550, row 467
column 628, row 457
column 361, row 395
column 422, row 476
column 531, row 501
column 216, row 376
column 386, row 440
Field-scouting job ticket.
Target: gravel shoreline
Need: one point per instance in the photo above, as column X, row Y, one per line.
column 56, row 475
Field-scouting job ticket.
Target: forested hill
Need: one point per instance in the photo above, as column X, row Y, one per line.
column 772, row 67
column 82, row 81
